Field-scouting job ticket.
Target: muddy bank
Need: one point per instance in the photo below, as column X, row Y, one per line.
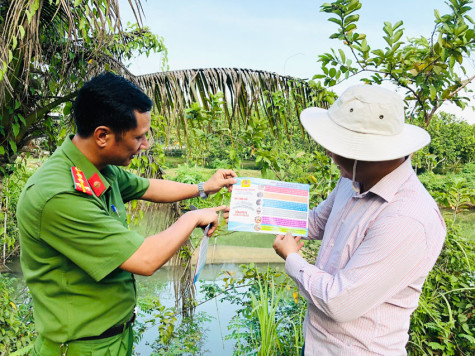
column 237, row 254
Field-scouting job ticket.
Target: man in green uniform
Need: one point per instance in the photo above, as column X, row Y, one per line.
column 77, row 254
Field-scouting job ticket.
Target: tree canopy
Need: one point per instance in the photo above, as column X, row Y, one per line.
column 430, row 70
column 48, row 49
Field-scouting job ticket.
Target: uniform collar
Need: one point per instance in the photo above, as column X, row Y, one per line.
column 80, row 161
column 387, row 187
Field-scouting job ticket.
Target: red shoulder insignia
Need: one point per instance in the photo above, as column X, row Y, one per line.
column 96, row 184
column 80, row 181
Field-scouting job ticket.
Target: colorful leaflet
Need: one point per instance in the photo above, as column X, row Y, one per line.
column 268, row 206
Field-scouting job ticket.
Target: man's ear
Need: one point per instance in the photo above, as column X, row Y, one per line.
column 102, row 136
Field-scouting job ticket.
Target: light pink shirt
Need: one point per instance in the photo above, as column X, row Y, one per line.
column 377, row 249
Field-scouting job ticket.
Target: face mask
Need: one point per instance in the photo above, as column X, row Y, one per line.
column 355, row 186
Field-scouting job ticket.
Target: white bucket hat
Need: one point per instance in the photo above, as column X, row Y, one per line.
column 366, row 123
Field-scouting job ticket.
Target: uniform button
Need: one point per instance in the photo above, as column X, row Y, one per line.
column 332, row 244
column 321, row 266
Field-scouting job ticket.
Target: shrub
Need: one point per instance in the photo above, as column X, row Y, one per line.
column 443, row 324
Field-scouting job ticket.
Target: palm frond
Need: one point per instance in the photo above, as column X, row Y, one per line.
column 244, row 90
column 24, row 24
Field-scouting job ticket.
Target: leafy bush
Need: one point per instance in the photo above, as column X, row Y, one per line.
column 444, row 324
column 13, row 185
column 16, row 317
column 452, row 145
column 454, row 190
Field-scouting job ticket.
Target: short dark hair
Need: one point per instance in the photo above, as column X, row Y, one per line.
column 108, row 100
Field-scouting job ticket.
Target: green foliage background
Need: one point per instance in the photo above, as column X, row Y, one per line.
column 427, row 69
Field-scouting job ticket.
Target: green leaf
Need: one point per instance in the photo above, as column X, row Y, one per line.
column 14, row 42
column 342, row 55
column 352, row 18
column 22, row 119
column 22, row 32
column 378, row 52
column 451, row 62
column 436, row 346
column 2, row 150
column 67, row 108
column 433, row 92
column 387, row 28
column 398, row 35
column 13, row 146
column 335, row 20
column 350, row 28
column 16, row 129
column 28, row 15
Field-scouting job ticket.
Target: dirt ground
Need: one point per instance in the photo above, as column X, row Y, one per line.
column 235, row 254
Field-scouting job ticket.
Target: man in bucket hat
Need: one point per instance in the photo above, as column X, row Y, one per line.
column 381, row 231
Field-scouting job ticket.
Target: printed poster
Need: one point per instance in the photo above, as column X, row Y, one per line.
column 269, row 206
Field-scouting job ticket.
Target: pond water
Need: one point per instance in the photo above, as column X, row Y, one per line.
column 220, row 312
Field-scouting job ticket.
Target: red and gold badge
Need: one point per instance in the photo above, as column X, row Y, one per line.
column 80, row 181
column 96, row 184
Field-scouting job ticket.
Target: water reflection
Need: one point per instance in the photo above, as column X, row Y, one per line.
column 220, row 311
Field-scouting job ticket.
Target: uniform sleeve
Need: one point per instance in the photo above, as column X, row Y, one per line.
column 392, row 254
column 131, row 186
column 79, row 228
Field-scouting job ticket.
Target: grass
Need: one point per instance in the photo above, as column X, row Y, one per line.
column 465, row 220
column 172, row 164
column 245, row 239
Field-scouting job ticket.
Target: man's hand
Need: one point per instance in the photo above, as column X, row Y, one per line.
column 226, row 213
column 207, row 216
column 286, row 244
column 222, row 178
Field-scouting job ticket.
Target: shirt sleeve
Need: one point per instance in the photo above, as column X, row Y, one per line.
column 392, row 255
column 131, row 186
column 318, row 217
column 80, row 229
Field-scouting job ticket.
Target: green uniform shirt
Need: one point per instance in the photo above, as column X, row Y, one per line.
column 72, row 244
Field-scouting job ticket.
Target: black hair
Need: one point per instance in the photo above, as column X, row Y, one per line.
column 108, row 100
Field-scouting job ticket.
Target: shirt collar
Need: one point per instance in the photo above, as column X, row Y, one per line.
column 387, row 187
column 80, row 161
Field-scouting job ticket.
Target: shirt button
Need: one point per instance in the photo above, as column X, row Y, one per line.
column 332, row 244
column 321, row 266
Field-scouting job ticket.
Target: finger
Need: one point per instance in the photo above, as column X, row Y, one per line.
column 228, row 182
column 297, row 238
column 211, row 230
column 288, row 234
column 213, row 226
column 219, row 208
column 300, row 245
column 279, row 237
column 228, row 173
